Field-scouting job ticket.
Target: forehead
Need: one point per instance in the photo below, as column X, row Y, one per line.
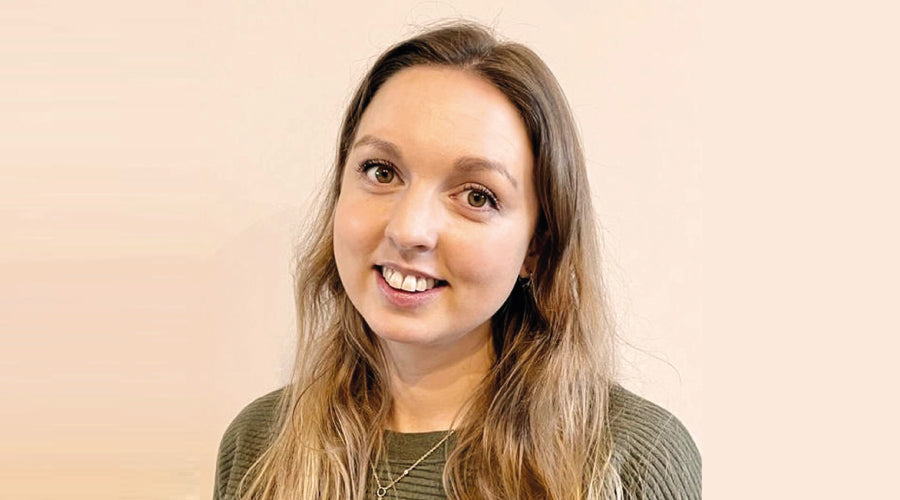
column 438, row 112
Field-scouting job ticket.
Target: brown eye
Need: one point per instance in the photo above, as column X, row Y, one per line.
column 384, row 175
column 477, row 198
column 381, row 174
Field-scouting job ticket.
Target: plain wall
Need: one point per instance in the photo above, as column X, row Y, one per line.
column 159, row 159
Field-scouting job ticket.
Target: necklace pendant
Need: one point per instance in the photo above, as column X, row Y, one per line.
column 381, row 492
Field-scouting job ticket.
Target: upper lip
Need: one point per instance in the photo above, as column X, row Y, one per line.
column 408, row 270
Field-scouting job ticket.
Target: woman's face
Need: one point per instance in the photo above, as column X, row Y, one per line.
column 437, row 207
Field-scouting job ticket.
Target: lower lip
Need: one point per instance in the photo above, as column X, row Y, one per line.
column 403, row 299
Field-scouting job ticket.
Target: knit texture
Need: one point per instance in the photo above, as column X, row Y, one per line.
column 653, row 452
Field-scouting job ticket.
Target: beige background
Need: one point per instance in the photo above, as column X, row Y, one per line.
column 157, row 160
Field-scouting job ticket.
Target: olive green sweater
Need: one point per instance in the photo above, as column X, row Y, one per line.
column 653, row 452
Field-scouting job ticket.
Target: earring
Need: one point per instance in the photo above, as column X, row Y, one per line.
column 525, row 281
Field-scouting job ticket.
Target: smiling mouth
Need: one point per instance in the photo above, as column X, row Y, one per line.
column 408, row 282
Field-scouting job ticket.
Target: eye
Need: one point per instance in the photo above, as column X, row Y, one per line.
column 478, row 197
column 378, row 171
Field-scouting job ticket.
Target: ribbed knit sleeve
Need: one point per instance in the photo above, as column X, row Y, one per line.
column 654, row 453
column 244, row 440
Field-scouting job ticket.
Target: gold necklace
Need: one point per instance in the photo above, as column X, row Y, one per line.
column 382, row 490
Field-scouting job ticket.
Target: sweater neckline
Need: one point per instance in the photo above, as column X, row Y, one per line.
column 410, row 446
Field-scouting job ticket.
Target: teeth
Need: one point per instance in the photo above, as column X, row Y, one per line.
column 396, row 279
column 410, row 283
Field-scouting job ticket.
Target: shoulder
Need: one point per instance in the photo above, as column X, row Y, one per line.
column 244, row 441
column 653, row 452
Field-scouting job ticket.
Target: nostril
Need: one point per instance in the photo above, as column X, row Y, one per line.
column 412, row 231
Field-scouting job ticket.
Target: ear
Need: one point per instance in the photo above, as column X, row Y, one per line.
column 534, row 251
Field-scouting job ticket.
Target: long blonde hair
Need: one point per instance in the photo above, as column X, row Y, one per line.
column 536, row 428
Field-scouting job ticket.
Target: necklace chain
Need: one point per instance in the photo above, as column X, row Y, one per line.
column 382, row 490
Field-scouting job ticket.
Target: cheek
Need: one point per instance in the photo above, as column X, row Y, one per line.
column 491, row 258
column 353, row 232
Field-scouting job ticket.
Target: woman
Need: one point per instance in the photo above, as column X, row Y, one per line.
column 454, row 334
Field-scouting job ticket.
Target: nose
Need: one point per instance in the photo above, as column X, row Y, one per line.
column 414, row 223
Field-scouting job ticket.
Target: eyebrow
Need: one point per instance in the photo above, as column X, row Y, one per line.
column 475, row 163
column 386, row 146
column 466, row 163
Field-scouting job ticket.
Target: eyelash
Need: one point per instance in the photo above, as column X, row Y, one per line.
column 366, row 165
column 492, row 198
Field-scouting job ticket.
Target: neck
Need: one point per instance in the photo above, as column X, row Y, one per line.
column 430, row 386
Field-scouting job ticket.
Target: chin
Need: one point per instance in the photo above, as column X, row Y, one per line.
column 403, row 335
